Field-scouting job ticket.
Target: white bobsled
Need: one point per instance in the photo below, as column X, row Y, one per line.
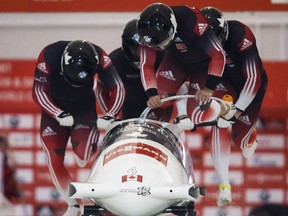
column 140, row 170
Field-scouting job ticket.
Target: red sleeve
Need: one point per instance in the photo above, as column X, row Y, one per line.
column 41, row 87
column 148, row 73
column 110, row 91
column 251, row 66
column 212, row 47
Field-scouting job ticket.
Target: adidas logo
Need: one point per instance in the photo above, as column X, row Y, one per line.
column 178, row 40
column 246, row 44
column 195, row 86
column 107, row 61
column 81, row 126
column 48, row 132
column 152, row 115
column 167, row 75
column 42, row 67
column 245, row 119
column 221, row 87
column 202, row 27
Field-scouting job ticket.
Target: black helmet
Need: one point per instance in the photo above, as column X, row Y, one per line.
column 217, row 22
column 79, row 62
column 130, row 41
column 157, row 25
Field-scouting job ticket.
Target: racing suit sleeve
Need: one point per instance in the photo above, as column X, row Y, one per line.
column 212, row 47
column 41, row 87
column 110, row 91
column 251, row 68
column 147, row 70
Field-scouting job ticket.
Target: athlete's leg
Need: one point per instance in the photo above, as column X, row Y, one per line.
column 54, row 140
column 243, row 130
column 84, row 136
column 220, row 147
column 170, row 77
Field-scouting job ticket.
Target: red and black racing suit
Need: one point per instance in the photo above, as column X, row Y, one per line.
column 244, row 78
column 195, row 55
column 54, row 95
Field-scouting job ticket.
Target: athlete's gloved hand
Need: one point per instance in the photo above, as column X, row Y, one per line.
column 228, row 119
column 184, row 123
column 225, row 123
column 104, row 121
column 65, row 119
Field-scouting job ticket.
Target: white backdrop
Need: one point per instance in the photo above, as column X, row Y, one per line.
column 23, row 35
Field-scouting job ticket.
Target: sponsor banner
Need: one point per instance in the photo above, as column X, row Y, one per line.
column 16, row 121
column 194, row 140
column 23, row 209
column 197, row 158
column 271, row 141
column 41, row 159
column 268, row 160
column 210, row 178
column 207, row 160
column 261, row 195
column 43, row 177
column 23, row 158
column 236, row 159
column 45, row 194
column 230, row 210
column 265, row 178
column 21, row 139
column 235, row 177
column 25, row 176
column 16, row 80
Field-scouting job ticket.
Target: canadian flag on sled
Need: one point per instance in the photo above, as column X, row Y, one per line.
column 132, row 177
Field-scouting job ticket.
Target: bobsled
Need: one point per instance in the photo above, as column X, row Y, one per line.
column 140, row 170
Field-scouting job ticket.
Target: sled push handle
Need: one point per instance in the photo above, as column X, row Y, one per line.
column 144, row 114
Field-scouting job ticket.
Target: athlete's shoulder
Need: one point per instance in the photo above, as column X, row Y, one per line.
column 241, row 35
column 117, row 57
column 190, row 18
column 117, row 53
column 57, row 45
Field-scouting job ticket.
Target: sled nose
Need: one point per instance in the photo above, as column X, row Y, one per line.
column 72, row 190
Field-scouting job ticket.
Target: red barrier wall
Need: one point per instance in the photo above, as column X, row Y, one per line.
column 129, row 6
